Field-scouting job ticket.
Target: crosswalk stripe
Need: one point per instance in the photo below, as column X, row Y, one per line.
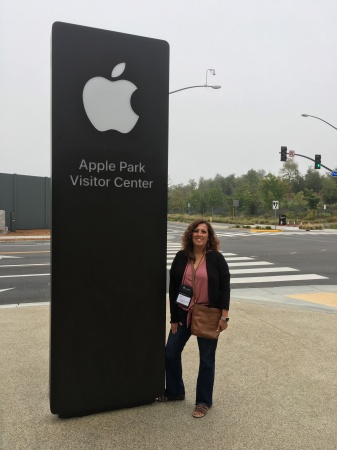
column 245, row 265
column 250, row 263
column 239, row 258
column 8, row 266
column 173, row 252
column 230, row 258
column 31, row 275
column 265, row 270
column 277, row 278
column 272, row 233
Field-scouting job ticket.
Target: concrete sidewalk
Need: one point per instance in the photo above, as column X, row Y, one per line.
column 275, row 388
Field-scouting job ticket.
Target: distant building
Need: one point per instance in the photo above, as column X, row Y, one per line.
column 26, row 201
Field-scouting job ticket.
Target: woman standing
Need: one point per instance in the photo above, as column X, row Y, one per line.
column 200, row 249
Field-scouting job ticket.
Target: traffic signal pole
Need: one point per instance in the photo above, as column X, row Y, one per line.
column 311, row 159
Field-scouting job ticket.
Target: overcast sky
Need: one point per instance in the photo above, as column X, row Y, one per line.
column 274, row 60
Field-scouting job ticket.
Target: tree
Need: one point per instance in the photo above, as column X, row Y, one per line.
column 313, row 180
column 312, row 199
column 248, row 197
column 329, row 190
column 178, row 198
column 214, row 198
column 272, row 188
column 226, row 184
column 247, row 191
column 199, row 201
column 290, row 172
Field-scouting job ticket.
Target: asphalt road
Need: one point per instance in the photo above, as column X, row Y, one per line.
column 272, row 259
column 24, row 272
column 255, row 260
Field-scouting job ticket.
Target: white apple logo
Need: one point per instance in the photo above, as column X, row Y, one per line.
column 107, row 103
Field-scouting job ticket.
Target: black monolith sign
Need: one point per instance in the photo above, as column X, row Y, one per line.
column 109, row 204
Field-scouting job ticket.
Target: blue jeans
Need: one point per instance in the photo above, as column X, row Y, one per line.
column 174, row 374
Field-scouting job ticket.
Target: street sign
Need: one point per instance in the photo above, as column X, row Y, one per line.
column 275, row 204
column 333, row 174
column 291, row 153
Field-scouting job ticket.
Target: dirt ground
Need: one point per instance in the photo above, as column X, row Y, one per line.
column 41, row 234
column 29, row 233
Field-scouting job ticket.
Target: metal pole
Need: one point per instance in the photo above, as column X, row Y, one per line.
column 191, row 87
column 311, row 159
column 308, row 115
column 275, row 218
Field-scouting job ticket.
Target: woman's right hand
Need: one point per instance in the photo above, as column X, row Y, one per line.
column 174, row 327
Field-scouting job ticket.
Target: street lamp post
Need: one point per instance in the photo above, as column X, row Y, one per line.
column 308, row 115
column 212, row 71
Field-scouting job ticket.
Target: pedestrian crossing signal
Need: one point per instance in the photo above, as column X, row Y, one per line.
column 317, row 161
column 283, row 153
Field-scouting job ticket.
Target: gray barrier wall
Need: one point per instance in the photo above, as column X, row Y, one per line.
column 27, row 200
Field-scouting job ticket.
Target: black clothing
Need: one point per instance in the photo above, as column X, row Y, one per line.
column 218, row 281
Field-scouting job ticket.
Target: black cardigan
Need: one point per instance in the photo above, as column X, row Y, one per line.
column 218, row 281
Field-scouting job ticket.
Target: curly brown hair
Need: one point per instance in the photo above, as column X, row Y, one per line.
column 187, row 242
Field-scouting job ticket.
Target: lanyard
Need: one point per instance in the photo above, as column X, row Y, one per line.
column 193, row 277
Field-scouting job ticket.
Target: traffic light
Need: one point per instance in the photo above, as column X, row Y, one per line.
column 317, row 161
column 283, row 153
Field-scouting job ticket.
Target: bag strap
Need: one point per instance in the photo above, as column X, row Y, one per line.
column 193, row 281
column 193, row 276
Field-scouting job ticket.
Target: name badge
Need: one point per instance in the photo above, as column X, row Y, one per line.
column 183, row 300
column 185, row 295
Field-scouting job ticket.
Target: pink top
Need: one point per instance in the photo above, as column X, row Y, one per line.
column 201, row 287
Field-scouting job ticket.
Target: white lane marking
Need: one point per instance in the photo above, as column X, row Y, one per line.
column 232, row 262
column 239, row 258
column 22, row 265
column 265, row 270
column 264, row 233
column 252, row 263
column 173, row 252
column 273, row 279
column 30, row 275
column 232, row 234
column 8, row 289
column 21, row 305
column 169, row 259
column 7, row 257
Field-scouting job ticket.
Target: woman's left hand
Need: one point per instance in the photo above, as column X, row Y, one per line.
column 222, row 325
